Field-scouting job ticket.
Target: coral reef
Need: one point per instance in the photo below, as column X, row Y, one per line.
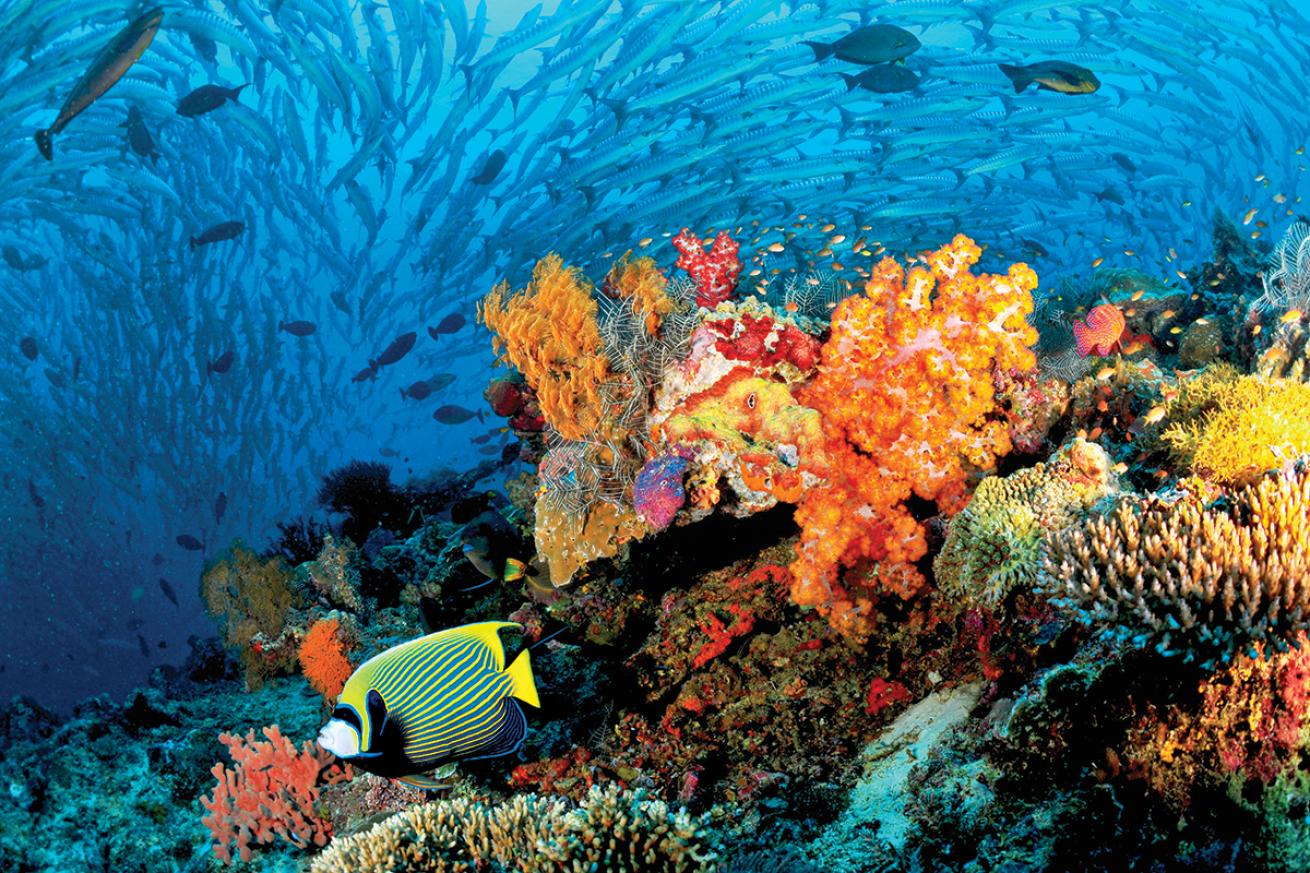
column 1204, row 580
column 1232, row 430
column 548, row 331
column 269, row 794
column 905, row 394
column 323, row 659
column 714, row 272
column 363, row 491
column 251, row 598
column 996, row 543
column 609, row 829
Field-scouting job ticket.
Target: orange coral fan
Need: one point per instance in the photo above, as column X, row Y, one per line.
column 641, row 281
column 548, row 332
column 323, row 658
column 905, row 390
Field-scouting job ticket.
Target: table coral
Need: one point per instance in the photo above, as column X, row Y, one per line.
column 1205, row 580
column 548, row 331
column 995, row 544
column 906, row 394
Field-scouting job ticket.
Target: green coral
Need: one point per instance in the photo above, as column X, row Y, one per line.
column 995, row 544
column 610, row 830
column 1230, row 429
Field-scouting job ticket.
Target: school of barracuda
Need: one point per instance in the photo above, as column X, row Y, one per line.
column 388, row 161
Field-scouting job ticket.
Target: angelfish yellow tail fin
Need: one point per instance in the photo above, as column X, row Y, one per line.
column 522, row 684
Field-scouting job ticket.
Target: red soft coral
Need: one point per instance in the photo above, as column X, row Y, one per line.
column 715, row 272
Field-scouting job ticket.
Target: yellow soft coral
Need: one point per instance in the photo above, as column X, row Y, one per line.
column 1232, row 430
column 641, row 281
column 905, row 392
column 548, row 332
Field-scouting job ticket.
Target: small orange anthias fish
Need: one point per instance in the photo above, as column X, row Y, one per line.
column 1101, row 333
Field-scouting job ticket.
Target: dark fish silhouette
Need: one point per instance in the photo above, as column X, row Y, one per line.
column 37, row 500
column 190, row 543
column 417, row 391
column 220, row 507
column 441, row 380
column 14, row 258
column 399, row 347
column 206, row 98
column 883, row 79
column 298, row 328
column 218, row 233
column 450, row 324
column 365, row 375
column 27, row 345
column 165, row 587
column 451, row 414
column 222, row 363
column 490, row 168
column 138, row 135
column 108, row 67
column 143, row 646
column 874, row 44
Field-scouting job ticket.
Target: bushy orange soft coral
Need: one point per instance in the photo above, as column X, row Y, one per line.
column 905, row 391
column 323, row 658
column 641, row 281
column 548, row 331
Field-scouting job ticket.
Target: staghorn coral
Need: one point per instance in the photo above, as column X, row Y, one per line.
column 996, row 543
column 611, row 830
column 323, row 658
column 1232, row 430
column 548, row 331
column 251, row 599
column 269, row 794
column 906, row 396
column 1202, row 580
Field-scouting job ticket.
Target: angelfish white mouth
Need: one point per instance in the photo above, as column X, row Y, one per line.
column 339, row 738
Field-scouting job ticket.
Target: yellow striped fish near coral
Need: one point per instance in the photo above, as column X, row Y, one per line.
column 431, row 701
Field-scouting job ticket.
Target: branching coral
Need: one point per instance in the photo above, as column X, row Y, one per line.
column 548, row 331
column 995, row 544
column 610, row 830
column 1202, row 580
column 1233, row 430
column 269, row 794
column 251, row 598
column 906, row 394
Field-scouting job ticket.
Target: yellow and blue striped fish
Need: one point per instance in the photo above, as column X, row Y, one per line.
column 430, row 701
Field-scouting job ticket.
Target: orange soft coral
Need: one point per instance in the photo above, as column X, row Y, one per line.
column 323, row 658
column 905, row 391
column 548, row 331
column 640, row 281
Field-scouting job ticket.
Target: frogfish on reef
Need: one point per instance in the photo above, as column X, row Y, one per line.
column 432, row 701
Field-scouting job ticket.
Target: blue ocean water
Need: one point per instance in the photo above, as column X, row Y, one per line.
column 390, row 160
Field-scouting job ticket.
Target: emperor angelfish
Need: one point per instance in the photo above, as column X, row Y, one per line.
column 430, row 701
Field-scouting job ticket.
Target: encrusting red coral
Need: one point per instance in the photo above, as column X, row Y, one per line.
column 906, row 394
column 270, row 793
